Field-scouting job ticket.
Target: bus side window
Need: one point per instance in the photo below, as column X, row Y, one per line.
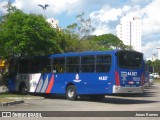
column 45, row 65
column 24, row 66
column 13, row 68
column 88, row 64
column 58, row 65
column 73, row 64
column 34, row 66
column 103, row 63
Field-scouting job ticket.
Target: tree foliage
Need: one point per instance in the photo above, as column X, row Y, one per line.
column 27, row 35
column 82, row 30
column 24, row 35
column 155, row 65
column 107, row 42
column 83, row 27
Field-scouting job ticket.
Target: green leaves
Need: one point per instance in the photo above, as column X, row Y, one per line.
column 27, row 35
column 155, row 65
column 30, row 35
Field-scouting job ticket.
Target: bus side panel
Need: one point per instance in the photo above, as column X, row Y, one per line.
column 33, row 81
column 40, row 85
column 36, row 83
column 22, row 78
column 59, row 83
column 92, row 83
column 98, row 83
column 47, row 84
column 86, row 83
column 15, row 81
column 11, row 84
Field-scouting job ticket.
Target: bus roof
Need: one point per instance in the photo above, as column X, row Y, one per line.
column 72, row 54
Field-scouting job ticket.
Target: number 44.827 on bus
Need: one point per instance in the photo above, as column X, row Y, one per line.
column 93, row 74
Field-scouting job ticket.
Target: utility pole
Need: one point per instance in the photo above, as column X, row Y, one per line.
column 130, row 35
column 153, row 59
column 44, row 7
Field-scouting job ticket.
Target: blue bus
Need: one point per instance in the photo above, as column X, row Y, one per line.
column 94, row 74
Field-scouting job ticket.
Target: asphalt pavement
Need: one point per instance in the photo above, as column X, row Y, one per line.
column 149, row 101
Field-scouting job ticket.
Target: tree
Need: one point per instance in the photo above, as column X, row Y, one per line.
column 73, row 44
column 107, row 42
column 156, row 65
column 26, row 35
column 83, row 27
column 110, row 41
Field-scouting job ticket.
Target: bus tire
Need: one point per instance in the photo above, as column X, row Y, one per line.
column 97, row 97
column 23, row 89
column 71, row 93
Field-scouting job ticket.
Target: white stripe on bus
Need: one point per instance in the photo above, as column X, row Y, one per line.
column 39, row 84
column 45, row 85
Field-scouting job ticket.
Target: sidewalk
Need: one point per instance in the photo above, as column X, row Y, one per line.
column 12, row 99
column 10, row 102
column 6, row 101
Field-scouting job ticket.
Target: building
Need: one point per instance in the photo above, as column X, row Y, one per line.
column 129, row 31
column 158, row 53
column 54, row 23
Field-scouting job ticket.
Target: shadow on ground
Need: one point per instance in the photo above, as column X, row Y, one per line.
column 130, row 99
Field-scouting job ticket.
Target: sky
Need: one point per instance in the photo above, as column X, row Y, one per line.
column 104, row 14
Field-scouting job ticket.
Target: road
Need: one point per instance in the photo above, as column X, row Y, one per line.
column 149, row 101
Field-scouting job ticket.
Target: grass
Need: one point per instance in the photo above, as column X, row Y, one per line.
column 5, row 100
column 8, row 97
column 156, row 80
column 5, row 95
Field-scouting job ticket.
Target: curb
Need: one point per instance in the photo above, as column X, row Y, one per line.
column 25, row 98
column 18, row 101
column 11, row 103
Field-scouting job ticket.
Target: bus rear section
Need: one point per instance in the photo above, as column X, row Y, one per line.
column 129, row 72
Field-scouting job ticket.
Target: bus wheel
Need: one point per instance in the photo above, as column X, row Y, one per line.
column 71, row 92
column 23, row 88
column 97, row 97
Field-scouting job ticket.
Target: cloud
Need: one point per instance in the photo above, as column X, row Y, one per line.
column 3, row 5
column 150, row 27
column 104, row 18
column 105, row 15
column 150, row 48
column 55, row 6
column 150, row 20
column 58, row 6
column 140, row 2
column 108, row 17
column 102, row 29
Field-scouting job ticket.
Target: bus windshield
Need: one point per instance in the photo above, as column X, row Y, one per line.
column 130, row 59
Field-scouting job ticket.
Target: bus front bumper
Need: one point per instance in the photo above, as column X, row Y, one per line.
column 120, row 89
